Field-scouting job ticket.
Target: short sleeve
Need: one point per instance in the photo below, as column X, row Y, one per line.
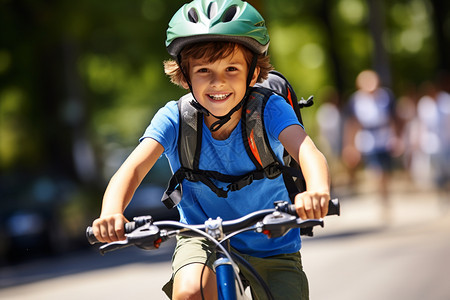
column 164, row 127
column 278, row 115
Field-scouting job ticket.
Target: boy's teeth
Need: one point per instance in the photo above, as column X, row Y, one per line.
column 219, row 96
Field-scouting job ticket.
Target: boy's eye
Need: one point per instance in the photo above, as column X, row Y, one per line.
column 231, row 69
column 202, row 70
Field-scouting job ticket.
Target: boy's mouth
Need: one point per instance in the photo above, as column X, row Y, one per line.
column 218, row 97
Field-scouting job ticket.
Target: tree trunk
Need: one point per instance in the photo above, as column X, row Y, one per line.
column 332, row 46
column 441, row 14
column 380, row 58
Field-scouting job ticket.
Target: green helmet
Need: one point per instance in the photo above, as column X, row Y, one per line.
column 217, row 20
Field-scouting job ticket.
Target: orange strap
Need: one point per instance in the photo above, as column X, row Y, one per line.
column 253, row 148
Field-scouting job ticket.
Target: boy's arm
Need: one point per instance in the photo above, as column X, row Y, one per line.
column 313, row 203
column 109, row 226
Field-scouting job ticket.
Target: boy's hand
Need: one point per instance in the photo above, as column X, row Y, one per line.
column 312, row 205
column 110, row 228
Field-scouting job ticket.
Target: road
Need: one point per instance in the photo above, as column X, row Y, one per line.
column 406, row 260
column 356, row 256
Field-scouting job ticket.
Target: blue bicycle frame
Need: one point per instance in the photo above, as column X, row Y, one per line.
column 226, row 286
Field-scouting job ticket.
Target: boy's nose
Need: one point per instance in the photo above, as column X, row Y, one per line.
column 217, row 80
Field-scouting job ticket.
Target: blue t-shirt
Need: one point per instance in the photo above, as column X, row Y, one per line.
column 230, row 157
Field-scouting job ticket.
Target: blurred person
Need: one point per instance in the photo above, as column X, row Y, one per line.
column 409, row 129
column 329, row 121
column 369, row 132
column 443, row 105
column 424, row 137
column 433, row 112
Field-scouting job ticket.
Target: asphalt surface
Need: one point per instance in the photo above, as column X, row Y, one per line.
column 360, row 255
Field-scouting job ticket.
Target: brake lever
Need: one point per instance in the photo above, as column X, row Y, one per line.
column 147, row 237
column 309, row 223
column 113, row 246
column 279, row 223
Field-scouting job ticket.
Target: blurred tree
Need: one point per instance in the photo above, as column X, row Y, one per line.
column 28, row 38
column 79, row 81
column 259, row 5
column 377, row 25
column 441, row 22
column 73, row 67
column 332, row 44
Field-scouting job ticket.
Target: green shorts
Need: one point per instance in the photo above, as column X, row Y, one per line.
column 283, row 273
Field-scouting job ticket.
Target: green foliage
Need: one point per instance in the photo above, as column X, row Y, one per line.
column 81, row 80
column 92, row 70
column 301, row 59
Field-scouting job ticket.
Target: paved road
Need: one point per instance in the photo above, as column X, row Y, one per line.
column 401, row 261
column 356, row 256
column 88, row 275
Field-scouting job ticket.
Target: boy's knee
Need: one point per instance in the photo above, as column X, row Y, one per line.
column 187, row 283
column 186, row 292
column 193, row 292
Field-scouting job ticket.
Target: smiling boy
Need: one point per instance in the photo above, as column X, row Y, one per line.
column 219, row 50
column 219, row 86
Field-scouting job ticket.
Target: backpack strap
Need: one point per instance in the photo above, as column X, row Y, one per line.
column 189, row 145
column 281, row 86
column 292, row 174
column 255, row 136
column 189, row 148
column 191, row 126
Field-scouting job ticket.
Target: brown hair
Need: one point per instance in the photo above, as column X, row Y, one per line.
column 213, row 51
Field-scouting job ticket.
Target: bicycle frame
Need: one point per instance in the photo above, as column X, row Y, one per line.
column 226, row 280
column 227, row 272
column 226, row 285
column 226, row 275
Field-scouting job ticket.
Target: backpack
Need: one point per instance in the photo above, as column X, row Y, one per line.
column 255, row 141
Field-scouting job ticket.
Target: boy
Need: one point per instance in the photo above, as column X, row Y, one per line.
column 220, row 51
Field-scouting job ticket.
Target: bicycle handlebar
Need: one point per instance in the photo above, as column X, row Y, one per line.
column 276, row 222
column 228, row 226
column 334, row 207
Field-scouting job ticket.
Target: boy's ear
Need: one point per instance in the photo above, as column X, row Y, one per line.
column 255, row 76
column 184, row 84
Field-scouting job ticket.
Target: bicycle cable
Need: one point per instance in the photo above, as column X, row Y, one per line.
column 247, row 265
column 243, row 262
column 225, row 252
column 241, row 288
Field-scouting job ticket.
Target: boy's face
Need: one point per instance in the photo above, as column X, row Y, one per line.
column 219, row 86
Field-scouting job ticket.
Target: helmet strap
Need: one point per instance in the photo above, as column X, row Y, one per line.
column 186, row 78
column 225, row 118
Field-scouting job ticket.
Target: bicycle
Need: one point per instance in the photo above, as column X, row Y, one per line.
column 146, row 234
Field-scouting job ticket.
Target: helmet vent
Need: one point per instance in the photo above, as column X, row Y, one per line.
column 212, row 10
column 193, row 15
column 229, row 14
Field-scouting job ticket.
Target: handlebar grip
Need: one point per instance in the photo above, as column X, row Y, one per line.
column 129, row 227
column 334, row 208
column 90, row 236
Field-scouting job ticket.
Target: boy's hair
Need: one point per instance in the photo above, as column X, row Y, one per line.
column 213, row 51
